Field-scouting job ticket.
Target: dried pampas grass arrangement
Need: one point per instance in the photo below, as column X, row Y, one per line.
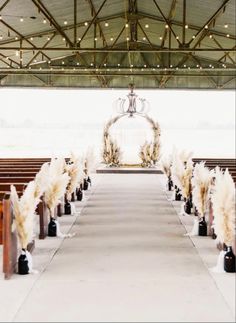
column 145, row 154
column 201, row 183
column 89, row 162
column 24, row 208
column 223, row 202
column 182, row 174
column 166, row 164
column 111, row 151
column 150, row 153
column 58, row 181
column 74, row 169
column 41, row 180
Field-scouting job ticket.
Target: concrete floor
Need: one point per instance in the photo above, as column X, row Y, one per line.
column 129, row 262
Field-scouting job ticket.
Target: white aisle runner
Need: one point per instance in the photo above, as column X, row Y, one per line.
column 128, row 262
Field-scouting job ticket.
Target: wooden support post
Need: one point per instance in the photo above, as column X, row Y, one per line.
column 1, row 222
column 9, row 240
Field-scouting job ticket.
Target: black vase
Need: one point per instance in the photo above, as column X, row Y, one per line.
column 67, row 208
column 52, row 228
column 23, row 266
column 202, row 228
column 187, row 206
column 85, row 186
column 229, row 261
column 89, row 180
column 213, row 235
column 177, row 194
column 79, row 195
column 170, row 184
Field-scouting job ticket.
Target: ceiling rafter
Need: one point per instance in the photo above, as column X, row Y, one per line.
column 167, row 22
column 10, row 59
column 92, row 21
column 219, row 45
column 41, row 7
column 140, row 16
column 99, row 25
column 170, row 16
column 224, row 56
column 44, row 46
column 203, row 30
column 229, row 81
column 4, row 5
column 119, row 49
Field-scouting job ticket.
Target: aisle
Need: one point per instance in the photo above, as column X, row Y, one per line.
column 128, row 262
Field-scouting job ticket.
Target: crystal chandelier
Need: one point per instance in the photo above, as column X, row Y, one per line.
column 133, row 105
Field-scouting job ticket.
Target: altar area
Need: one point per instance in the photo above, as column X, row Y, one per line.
column 131, row 138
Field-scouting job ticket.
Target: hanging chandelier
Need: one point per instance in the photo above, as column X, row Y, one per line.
column 132, row 104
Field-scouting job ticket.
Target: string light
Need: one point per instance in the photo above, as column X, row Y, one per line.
column 63, row 39
column 16, row 38
column 0, row 17
column 144, row 38
column 127, row 38
column 146, row 26
column 227, row 35
column 166, row 26
column 21, row 19
column 65, row 22
column 1, row 37
column 79, row 39
column 95, row 39
column 63, row 62
column 77, row 63
column 193, row 37
column 31, row 38
column 106, row 24
column 17, row 53
column 177, row 37
column 210, row 36
column 44, row 21
column 160, row 38
column 111, row 38
column 126, row 25
column 48, row 38
column 91, row 64
column 86, row 24
column 206, row 27
column 226, row 25
column 186, row 26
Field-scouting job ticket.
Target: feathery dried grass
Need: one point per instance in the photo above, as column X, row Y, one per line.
column 24, row 209
column 58, row 181
column 223, row 202
column 201, row 183
column 41, row 180
column 182, row 174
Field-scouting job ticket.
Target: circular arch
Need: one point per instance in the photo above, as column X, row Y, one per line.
column 149, row 151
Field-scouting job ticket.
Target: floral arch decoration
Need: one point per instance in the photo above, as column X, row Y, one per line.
column 149, row 151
